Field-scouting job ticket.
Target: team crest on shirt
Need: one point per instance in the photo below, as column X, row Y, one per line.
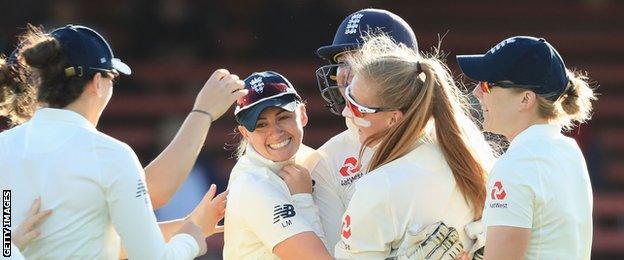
column 281, row 213
column 350, row 171
column 497, row 195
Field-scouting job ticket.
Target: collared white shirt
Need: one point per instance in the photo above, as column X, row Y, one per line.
column 261, row 212
column 95, row 186
column 417, row 189
column 335, row 174
column 541, row 183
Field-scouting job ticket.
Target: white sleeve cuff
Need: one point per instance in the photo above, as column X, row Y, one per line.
column 303, row 199
column 189, row 241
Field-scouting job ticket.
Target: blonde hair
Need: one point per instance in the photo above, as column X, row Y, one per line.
column 424, row 91
column 574, row 106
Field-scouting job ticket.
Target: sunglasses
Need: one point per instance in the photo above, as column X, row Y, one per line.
column 359, row 110
column 487, row 86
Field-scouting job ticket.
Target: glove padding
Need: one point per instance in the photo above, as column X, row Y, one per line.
column 436, row 241
column 476, row 231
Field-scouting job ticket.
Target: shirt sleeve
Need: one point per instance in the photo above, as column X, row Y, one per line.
column 131, row 212
column 304, row 203
column 330, row 205
column 510, row 197
column 368, row 225
column 270, row 214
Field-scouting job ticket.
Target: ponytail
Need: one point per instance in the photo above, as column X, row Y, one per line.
column 575, row 104
column 425, row 92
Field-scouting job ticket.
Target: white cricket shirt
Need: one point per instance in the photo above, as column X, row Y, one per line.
column 541, row 183
column 261, row 212
column 95, row 186
column 416, row 189
column 335, row 174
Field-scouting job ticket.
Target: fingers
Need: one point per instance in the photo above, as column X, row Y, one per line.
column 220, row 74
column 33, row 221
column 240, row 93
column 30, row 236
column 34, row 208
column 211, row 192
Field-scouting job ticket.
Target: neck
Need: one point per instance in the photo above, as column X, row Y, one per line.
column 512, row 133
column 86, row 110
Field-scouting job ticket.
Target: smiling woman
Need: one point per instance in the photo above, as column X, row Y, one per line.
column 270, row 211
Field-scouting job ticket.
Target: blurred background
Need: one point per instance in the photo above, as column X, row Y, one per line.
column 174, row 45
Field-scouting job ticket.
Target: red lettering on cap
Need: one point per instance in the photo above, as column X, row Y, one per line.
column 498, row 193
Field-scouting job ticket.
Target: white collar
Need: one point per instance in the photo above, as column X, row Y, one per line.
column 257, row 159
column 534, row 132
column 63, row 116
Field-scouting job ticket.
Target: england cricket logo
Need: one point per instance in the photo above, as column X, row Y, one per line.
column 353, row 24
column 257, row 84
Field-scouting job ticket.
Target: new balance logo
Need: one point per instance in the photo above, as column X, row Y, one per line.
column 281, row 212
column 353, row 24
column 257, row 85
column 140, row 189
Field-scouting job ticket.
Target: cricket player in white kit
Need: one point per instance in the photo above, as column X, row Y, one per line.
column 339, row 165
column 94, row 183
column 430, row 161
column 265, row 218
column 539, row 202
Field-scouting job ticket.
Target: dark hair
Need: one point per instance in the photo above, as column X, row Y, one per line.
column 17, row 96
column 46, row 60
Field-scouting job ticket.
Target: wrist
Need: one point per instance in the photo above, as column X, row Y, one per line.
column 204, row 113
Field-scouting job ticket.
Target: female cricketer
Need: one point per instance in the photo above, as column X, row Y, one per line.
column 539, row 200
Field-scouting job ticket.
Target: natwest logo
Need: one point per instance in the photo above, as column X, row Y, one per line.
column 350, row 167
column 346, row 227
column 498, row 193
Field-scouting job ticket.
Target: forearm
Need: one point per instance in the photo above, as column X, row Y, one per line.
column 166, row 173
column 168, row 229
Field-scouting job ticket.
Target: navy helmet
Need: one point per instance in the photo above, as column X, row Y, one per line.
column 349, row 37
column 358, row 24
column 521, row 61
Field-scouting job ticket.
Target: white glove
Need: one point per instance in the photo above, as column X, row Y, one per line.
column 436, row 241
column 476, row 231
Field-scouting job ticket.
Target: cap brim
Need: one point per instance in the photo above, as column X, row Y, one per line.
column 249, row 116
column 330, row 52
column 120, row 66
column 478, row 68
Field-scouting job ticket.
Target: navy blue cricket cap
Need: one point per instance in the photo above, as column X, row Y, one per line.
column 521, row 61
column 266, row 89
column 358, row 24
column 87, row 51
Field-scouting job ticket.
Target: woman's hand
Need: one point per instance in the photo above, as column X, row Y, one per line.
column 26, row 232
column 297, row 178
column 210, row 211
column 219, row 92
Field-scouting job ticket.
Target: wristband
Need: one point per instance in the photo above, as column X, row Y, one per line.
column 205, row 113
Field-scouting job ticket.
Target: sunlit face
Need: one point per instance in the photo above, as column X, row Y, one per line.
column 500, row 108
column 344, row 75
column 278, row 133
column 363, row 92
